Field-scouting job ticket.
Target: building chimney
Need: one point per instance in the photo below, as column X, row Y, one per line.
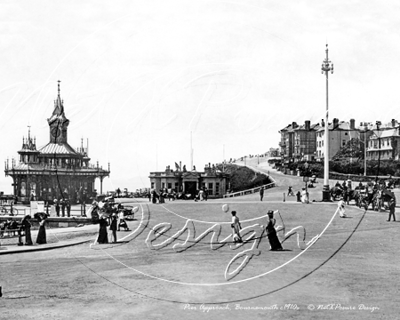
column 294, row 125
column 322, row 123
column 394, row 123
column 352, row 124
column 335, row 123
column 307, row 125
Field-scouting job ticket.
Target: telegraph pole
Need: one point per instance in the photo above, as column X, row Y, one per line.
column 326, row 67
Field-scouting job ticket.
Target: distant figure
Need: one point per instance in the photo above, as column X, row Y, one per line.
column 103, row 238
column 62, row 207
column 41, row 236
column 392, row 207
column 154, row 196
column 122, row 223
column 161, row 197
column 304, row 196
column 26, row 226
column 341, row 205
column 201, row 195
column 271, row 233
column 290, row 191
column 113, row 227
column 205, row 193
column 57, row 207
column 236, row 228
column 68, row 206
column 298, row 195
column 261, row 193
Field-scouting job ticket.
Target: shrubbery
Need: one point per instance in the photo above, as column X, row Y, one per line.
column 242, row 178
column 385, row 167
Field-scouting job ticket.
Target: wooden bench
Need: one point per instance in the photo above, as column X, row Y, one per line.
column 11, row 233
column 7, row 233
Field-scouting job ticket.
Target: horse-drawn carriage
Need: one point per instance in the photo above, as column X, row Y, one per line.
column 364, row 196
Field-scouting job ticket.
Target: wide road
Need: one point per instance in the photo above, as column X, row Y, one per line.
column 331, row 268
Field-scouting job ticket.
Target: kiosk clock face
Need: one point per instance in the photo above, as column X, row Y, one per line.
column 56, row 132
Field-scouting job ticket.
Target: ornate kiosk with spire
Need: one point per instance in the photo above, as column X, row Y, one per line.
column 56, row 170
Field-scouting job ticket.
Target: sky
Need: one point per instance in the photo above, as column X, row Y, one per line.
column 145, row 80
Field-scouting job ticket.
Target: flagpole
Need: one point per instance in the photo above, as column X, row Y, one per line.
column 191, row 152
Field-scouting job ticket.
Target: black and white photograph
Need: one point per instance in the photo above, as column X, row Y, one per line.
column 199, row 159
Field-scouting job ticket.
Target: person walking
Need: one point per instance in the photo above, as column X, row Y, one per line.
column 236, row 228
column 41, row 236
column 290, row 191
column 68, row 206
column 341, row 205
column 57, row 207
column 113, row 227
column 304, row 195
column 298, row 195
column 392, row 208
column 26, row 226
column 62, row 207
column 205, row 193
column 271, row 233
column 103, row 237
column 261, row 193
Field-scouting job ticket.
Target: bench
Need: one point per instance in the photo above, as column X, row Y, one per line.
column 6, row 232
column 11, row 233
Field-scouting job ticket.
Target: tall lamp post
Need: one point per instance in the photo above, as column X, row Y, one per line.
column 378, row 123
column 326, row 67
column 365, row 150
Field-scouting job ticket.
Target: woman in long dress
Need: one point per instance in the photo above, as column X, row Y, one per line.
column 26, row 225
column 103, row 237
column 271, row 233
column 41, row 237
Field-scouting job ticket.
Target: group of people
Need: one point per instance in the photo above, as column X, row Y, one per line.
column 109, row 215
column 24, row 229
column 302, row 196
column 202, row 195
column 275, row 244
column 159, row 197
column 64, row 205
column 367, row 191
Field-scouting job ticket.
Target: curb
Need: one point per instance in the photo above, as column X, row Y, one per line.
column 33, row 249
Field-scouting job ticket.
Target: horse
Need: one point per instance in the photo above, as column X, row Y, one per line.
column 380, row 198
column 352, row 195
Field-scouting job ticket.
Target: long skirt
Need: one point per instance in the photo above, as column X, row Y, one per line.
column 274, row 242
column 28, row 237
column 103, row 237
column 41, row 237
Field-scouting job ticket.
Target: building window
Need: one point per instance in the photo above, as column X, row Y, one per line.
column 176, row 186
column 163, row 185
column 169, row 185
column 346, row 133
column 210, row 188
column 217, row 188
